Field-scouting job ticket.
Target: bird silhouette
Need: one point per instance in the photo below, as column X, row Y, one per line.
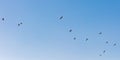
column 70, row 30
column 100, row 55
column 86, row 39
column 114, row 44
column 74, row 38
column 21, row 23
column 18, row 24
column 104, row 51
column 100, row 33
column 3, row 19
column 61, row 17
column 106, row 42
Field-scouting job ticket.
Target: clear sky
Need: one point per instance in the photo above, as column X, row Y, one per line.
column 42, row 36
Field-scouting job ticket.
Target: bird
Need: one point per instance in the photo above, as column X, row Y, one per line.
column 100, row 55
column 106, row 42
column 100, row 33
column 3, row 19
column 104, row 51
column 21, row 23
column 114, row 44
column 86, row 39
column 70, row 30
column 74, row 38
column 61, row 17
column 18, row 24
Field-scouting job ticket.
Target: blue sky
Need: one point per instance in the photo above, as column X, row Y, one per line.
column 42, row 36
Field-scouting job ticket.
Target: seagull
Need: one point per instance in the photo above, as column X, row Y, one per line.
column 106, row 42
column 74, row 38
column 86, row 39
column 3, row 19
column 21, row 23
column 100, row 33
column 100, row 55
column 104, row 51
column 114, row 44
column 70, row 30
column 18, row 24
column 61, row 17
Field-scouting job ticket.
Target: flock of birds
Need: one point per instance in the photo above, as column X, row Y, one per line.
column 74, row 38
column 19, row 24
column 100, row 33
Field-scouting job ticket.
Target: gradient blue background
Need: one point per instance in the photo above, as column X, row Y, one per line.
column 44, row 37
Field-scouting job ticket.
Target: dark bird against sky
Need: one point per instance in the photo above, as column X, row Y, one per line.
column 70, row 30
column 100, row 55
column 61, row 17
column 104, row 51
column 100, row 33
column 86, row 39
column 74, row 38
column 20, row 23
column 114, row 44
column 106, row 42
column 3, row 19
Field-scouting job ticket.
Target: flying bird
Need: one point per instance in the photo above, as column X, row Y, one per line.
column 61, row 17
column 100, row 55
column 3, row 19
column 74, row 38
column 21, row 23
column 70, row 30
column 18, row 24
column 100, row 33
column 106, row 42
column 114, row 44
column 86, row 39
column 104, row 51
